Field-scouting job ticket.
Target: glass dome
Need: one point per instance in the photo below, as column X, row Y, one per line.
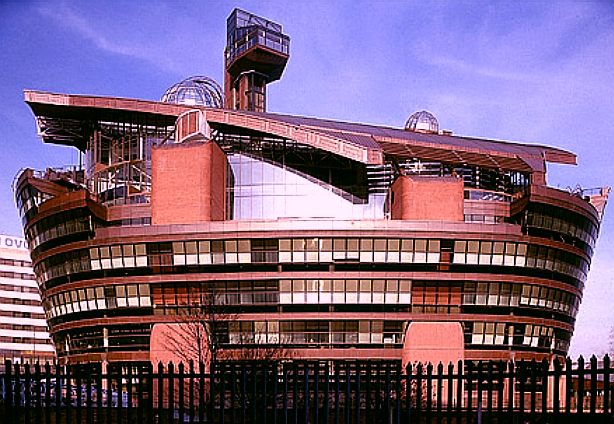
column 422, row 121
column 196, row 90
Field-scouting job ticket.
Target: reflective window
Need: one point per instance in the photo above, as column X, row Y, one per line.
column 99, row 298
column 345, row 291
column 266, row 190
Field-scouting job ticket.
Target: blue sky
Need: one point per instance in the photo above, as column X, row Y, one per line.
column 534, row 71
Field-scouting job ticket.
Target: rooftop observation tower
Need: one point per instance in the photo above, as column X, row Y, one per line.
column 256, row 55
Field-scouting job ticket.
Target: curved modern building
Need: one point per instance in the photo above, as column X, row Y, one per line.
column 313, row 238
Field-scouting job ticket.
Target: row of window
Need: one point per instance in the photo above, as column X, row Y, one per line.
column 513, row 295
column 59, row 225
column 16, row 275
column 486, row 219
column 18, row 327
column 16, row 301
column 476, row 252
column 315, row 291
column 94, row 339
column 97, row 298
column 423, row 296
column 14, row 262
column 15, row 288
column 325, row 250
column 315, row 332
column 490, row 196
column 562, row 221
column 501, row 334
column 136, row 337
column 363, row 250
column 215, row 293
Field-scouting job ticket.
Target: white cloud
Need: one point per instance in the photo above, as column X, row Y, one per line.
column 66, row 17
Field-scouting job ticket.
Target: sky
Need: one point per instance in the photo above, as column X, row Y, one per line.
column 533, row 71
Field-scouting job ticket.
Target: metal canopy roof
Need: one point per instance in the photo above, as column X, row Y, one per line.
column 64, row 119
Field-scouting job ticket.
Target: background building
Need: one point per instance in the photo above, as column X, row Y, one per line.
column 23, row 329
column 294, row 236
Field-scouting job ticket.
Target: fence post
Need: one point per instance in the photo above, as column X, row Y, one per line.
column 580, row 407
column 429, row 391
column 398, row 407
column 191, row 390
column 387, row 391
column 545, row 384
column 160, row 406
column 171, row 391
column 17, row 391
column 489, row 388
column 201, row 393
column 408, row 375
column 120, row 393
column 418, row 391
column 357, row 404
column 479, row 384
column 326, row 391
column 450, row 384
column 265, row 395
column 275, row 372
column 58, row 392
column 139, row 399
column 306, row 388
column 533, row 387
column 521, row 376
column 348, row 393
column 459, row 391
column 469, row 377
column 79, row 386
column 27, row 386
column 48, row 393
column 39, row 385
column 181, row 382
column 593, row 398
column 606, row 384
column 556, row 400
column 501, row 387
column 8, row 389
column 568, row 385
column 129, row 376
column 285, row 396
column 510, row 390
column 439, row 391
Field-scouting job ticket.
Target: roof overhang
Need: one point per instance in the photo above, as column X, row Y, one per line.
column 63, row 118
column 66, row 119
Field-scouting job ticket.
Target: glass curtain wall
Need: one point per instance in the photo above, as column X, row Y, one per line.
column 268, row 190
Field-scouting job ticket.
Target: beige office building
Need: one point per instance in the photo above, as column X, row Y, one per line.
column 23, row 329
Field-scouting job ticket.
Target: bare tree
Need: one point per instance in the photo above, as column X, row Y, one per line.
column 193, row 337
column 199, row 335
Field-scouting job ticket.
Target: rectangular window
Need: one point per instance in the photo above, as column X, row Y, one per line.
column 407, row 251
column 204, row 252
column 433, row 252
column 366, row 250
column 191, row 253
column 460, row 253
column 473, row 248
column 485, row 253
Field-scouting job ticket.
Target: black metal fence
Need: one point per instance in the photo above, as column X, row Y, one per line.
column 309, row 392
